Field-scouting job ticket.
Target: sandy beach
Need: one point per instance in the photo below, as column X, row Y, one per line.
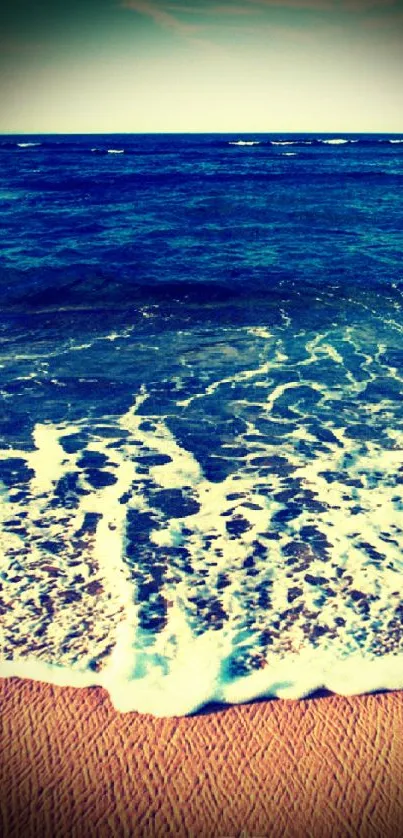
column 71, row 765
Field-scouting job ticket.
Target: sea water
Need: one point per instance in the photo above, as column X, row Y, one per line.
column 201, row 362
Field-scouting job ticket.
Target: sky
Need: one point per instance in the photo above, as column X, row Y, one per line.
column 89, row 66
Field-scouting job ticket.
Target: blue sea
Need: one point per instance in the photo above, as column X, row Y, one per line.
column 201, row 366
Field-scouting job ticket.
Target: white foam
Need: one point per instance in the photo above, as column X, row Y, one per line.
column 47, row 459
column 244, row 375
column 116, row 151
column 395, row 141
column 197, row 679
column 260, row 332
column 335, row 142
column 27, row 145
column 184, row 665
column 244, row 142
column 183, row 671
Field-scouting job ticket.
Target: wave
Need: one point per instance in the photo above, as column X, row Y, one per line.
column 185, row 598
column 244, row 142
column 97, row 150
column 291, row 142
column 165, row 145
column 335, row 141
column 88, row 288
column 96, row 289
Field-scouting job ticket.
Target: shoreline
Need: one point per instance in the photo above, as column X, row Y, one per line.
column 294, row 678
column 323, row 766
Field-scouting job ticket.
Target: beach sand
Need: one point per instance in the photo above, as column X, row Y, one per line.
column 71, row 765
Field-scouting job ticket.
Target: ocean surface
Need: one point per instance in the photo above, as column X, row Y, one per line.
column 201, row 425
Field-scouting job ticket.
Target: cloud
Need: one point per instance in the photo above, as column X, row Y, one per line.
column 324, row 5
column 219, row 9
column 368, row 5
column 298, row 5
column 253, row 18
column 169, row 14
column 161, row 16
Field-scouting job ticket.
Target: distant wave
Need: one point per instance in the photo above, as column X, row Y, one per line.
column 336, row 141
column 135, row 145
column 289, row 153
column 97, row 150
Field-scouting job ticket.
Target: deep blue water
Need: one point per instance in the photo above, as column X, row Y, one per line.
column 79, row 218
column 201, row 374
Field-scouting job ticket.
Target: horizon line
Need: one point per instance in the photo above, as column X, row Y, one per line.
column 7, row 133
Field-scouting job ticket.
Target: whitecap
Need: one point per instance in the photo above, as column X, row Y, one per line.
column 244, row 142
column 116, row 151
column 289, row 153
column 27, row 145
column 282, row 142
column 335, row 142
column 395, row 141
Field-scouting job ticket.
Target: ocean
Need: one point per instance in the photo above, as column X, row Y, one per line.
column 201, row 418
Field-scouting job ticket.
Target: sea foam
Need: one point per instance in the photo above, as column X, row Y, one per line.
column 128, row 567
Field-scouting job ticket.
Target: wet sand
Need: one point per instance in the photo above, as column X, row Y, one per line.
column 327, row 767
